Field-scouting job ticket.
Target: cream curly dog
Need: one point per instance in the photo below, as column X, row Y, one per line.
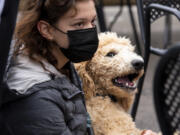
column 110, row 83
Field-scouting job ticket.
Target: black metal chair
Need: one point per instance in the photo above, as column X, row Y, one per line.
column 167, row 91
column 148, row 12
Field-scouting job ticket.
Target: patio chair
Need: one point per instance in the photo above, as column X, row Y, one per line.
column 148, row 12
column 167, row 91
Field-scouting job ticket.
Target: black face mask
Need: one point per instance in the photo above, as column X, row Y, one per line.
column 83, row 44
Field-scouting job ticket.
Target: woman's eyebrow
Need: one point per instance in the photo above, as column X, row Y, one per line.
column 78, row 19
column 82, row 19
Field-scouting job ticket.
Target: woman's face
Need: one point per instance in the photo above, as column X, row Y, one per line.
column 84, row 18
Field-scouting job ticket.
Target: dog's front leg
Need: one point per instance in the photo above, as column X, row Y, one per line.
column 109, row 119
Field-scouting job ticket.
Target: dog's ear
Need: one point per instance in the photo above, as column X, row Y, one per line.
column 88, row 83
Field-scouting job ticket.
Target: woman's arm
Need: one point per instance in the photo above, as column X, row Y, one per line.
column 38, row 114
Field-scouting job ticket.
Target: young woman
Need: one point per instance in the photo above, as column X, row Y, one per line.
column 44, row 95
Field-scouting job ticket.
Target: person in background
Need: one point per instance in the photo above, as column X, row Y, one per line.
column 44, row 95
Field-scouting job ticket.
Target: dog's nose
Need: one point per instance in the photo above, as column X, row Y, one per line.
column 137, row 64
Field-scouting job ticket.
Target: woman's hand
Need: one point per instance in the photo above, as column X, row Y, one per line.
column 148, row 132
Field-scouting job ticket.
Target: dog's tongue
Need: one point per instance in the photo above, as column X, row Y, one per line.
column 125, row 80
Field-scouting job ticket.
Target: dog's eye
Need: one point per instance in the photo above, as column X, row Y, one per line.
column 111, row 54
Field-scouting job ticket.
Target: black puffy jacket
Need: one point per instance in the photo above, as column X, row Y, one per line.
column 49, row 107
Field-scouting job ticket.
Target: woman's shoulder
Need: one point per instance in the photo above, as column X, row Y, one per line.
column 49, row 106
column 38, row 113
column 24, row 73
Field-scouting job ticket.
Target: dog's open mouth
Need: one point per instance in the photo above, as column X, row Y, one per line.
column 126, row 81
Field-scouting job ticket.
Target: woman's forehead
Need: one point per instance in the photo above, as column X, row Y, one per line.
column 82, row 10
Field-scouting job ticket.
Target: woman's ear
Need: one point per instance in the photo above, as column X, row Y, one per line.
column 88, row 83
column 45, row 29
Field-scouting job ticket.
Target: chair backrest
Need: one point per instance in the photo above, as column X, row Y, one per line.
column 154, row 13
column 167, row 91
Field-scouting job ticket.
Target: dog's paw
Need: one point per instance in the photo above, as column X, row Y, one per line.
column 148, row 132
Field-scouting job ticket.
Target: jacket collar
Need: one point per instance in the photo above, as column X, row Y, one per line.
column 68, row 87
column 23, row 73
column 23, row 66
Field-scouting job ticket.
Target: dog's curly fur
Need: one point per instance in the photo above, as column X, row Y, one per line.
column 107, row 103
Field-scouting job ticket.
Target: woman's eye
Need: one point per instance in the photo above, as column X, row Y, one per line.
column 93, row 22
column 111, row 54
column 80, row 24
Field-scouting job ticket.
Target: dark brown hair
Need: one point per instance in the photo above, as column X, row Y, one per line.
column 26, row 32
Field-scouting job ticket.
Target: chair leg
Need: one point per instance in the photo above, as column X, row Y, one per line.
column 134, row 27
column 101, row 18
column 140, row 84
column 137, row 98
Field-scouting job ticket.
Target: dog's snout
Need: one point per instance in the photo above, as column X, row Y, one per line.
column 137, row 64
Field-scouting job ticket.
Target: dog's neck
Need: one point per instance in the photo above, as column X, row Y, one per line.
column 113, row 98
column 124, row 102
